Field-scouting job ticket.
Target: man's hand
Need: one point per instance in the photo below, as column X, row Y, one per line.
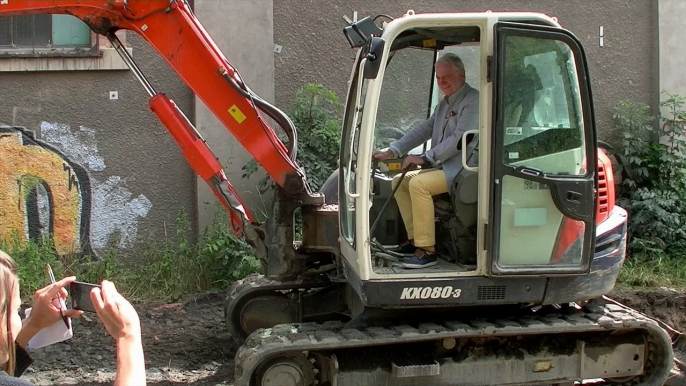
column 412, row 160
column 382, row 155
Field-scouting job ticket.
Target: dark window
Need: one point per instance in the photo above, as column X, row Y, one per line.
column 39, row 32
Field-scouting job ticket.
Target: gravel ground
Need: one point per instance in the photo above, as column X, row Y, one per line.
column 186, row 343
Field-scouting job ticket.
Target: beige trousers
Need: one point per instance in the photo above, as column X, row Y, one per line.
column 414, row 198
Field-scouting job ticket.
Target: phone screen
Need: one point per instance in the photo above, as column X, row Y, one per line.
column 80, row 294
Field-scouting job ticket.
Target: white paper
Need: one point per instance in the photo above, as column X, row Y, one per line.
column 58, row 332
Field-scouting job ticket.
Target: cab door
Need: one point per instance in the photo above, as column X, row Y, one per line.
column 542, row 204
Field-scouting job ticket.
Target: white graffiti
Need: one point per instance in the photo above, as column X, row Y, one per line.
column 80, row 146
column 113, row 209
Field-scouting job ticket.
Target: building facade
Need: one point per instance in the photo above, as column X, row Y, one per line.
column 82, row 156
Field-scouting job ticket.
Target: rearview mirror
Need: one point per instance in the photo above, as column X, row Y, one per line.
column 359, row 32
column 373, row 52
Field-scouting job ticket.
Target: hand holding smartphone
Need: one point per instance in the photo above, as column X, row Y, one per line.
column 80, row 294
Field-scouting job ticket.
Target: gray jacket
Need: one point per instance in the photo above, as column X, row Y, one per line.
column 461, row 117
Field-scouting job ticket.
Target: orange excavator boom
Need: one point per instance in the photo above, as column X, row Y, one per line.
column 172, row 29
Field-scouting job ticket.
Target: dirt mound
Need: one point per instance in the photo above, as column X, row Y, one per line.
column 665, row 304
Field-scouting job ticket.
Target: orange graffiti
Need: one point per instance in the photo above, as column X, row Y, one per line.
column 25, row 165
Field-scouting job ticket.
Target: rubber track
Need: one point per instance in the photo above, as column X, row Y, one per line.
column 255, row 285
column 265, row 344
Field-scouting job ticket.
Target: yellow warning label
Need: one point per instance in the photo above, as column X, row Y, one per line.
column 429, row 42
column 237, row 114
column 394, row 166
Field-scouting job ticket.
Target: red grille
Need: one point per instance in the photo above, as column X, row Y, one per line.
column 606, row 188
column 602, row 191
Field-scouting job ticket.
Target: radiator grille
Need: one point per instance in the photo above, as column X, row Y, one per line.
column 603, row 203
column 491, row 292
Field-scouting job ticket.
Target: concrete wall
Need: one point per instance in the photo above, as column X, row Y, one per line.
column 669, row 63
column 132, row 180
column 244, row 32
column 315, row 50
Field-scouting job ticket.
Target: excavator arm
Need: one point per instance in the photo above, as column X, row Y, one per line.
column 172, row 29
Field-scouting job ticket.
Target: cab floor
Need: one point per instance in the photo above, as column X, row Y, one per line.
column 441, row 266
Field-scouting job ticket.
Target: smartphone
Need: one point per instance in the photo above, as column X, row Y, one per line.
column 80, row 294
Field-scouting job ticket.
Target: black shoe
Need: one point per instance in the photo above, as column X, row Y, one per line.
column 404, row 250
column 421, row 259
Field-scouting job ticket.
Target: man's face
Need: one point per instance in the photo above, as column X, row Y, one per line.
column 449, row 78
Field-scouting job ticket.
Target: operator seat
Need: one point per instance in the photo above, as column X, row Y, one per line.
column 523, row 88
column 457, row 212
column 462, row 199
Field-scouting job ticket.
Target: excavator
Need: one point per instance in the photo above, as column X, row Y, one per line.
column 529, row 236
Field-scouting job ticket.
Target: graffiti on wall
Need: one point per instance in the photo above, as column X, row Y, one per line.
column 49, row 188
column 43, row 192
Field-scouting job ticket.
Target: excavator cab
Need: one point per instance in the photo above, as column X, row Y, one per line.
column 519, row 223
column 528, row 235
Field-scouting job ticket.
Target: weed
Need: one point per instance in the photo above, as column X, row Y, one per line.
column 169, row 270
column 649, row 272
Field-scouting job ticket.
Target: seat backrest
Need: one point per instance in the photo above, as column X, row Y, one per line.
column 465, row 190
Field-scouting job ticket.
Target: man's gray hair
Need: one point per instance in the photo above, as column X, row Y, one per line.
column 451, row 59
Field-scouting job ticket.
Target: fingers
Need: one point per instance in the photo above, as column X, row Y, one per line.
column 72, row 313
column 109, row 294
column 54, row 289
column 96, row 298
column 105, row 298
column 382, row 155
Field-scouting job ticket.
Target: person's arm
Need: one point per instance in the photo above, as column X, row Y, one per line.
column 413, row 138
column 469, row 120
column 130, row 362
column 122, row 322
column 44, row 313
column 28, row 331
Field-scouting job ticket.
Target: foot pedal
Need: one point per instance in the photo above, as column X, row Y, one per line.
column 384, row 260
column 412, row 371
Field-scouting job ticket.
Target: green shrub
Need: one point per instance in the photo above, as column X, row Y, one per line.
column 32, row 257
column 653, row 186
column 316, row 114
column 175, row 268
column 169, row 270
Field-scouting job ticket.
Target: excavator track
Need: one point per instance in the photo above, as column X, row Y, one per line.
column 309, row 353
column 258, row 287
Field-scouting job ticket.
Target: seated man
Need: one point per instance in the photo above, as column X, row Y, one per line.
column 457, row 113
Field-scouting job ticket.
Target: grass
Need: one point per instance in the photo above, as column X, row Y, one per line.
column 168, row 270
column 641, row 273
